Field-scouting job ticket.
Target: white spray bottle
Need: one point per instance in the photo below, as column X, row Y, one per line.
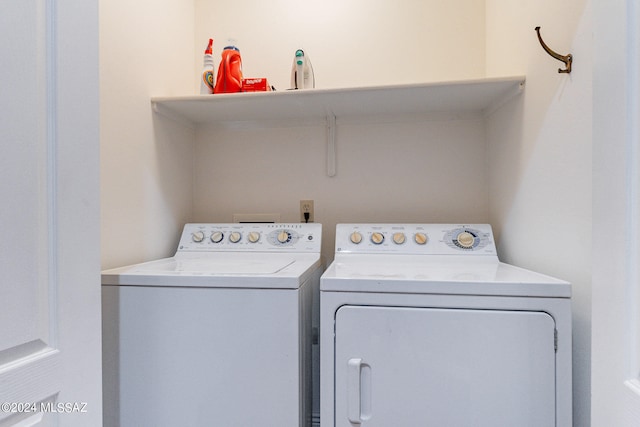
column 302, row 72
column 207, row 80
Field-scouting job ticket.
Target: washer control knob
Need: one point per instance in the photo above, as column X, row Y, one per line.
column 283, row 236
column 356, row 237
column 235, row 237
column 465, row 239
column 377, row 238
column 399, row 238
column 253, row 237
column 420, row 238
column 198, row 236
column 217, row 236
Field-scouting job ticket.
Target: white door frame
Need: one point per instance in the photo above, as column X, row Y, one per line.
column 616, row 214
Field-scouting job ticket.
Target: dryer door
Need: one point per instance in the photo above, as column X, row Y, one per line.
column 399, row 366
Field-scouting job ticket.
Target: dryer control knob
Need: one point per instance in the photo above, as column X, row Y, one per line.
column 217, row 236
column 356, row 237
column 253, row 237
column 399, row 238
column 465, row 239
column 283, row 236
column 377, row 238
column 198, row 236
column 420, row 238
column 235, row 237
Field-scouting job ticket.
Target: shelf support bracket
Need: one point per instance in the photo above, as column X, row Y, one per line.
column 331, row 145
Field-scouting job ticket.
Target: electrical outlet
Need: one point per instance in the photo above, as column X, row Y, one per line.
column 306, row 207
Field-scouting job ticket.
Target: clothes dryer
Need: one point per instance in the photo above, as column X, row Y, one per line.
column 422, row 325
column 220, row 334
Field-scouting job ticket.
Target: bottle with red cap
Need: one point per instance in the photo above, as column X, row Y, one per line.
column 207, row 80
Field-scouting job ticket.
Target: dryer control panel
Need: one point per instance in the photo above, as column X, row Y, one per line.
column 419, row 239
column 253, row 237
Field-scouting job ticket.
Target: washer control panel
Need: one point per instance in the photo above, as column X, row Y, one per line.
column 427, row 239
column 257, row 237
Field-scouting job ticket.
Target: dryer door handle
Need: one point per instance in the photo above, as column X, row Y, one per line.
column 358, row 391
column 354, row 392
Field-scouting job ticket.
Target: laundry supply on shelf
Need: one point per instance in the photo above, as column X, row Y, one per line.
column 302, row 76
column 207, row 79
column 259, row 84
column 229, row 79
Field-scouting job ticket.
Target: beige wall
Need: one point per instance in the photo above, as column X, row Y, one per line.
column 540, row 156
column 351, row 43
column 404, row 170
column 146, row 48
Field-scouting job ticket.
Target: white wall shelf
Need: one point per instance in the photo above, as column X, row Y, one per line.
column 482, row 95
column 458, row 96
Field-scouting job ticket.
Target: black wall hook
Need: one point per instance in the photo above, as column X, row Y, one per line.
column 567, row 59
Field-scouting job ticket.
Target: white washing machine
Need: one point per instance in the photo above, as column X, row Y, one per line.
column 219, row 334
column 422, row 325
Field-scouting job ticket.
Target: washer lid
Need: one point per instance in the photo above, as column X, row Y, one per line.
column 447, row 275
column 223, row 269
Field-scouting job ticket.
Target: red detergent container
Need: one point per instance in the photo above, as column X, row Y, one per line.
column 229, row 79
